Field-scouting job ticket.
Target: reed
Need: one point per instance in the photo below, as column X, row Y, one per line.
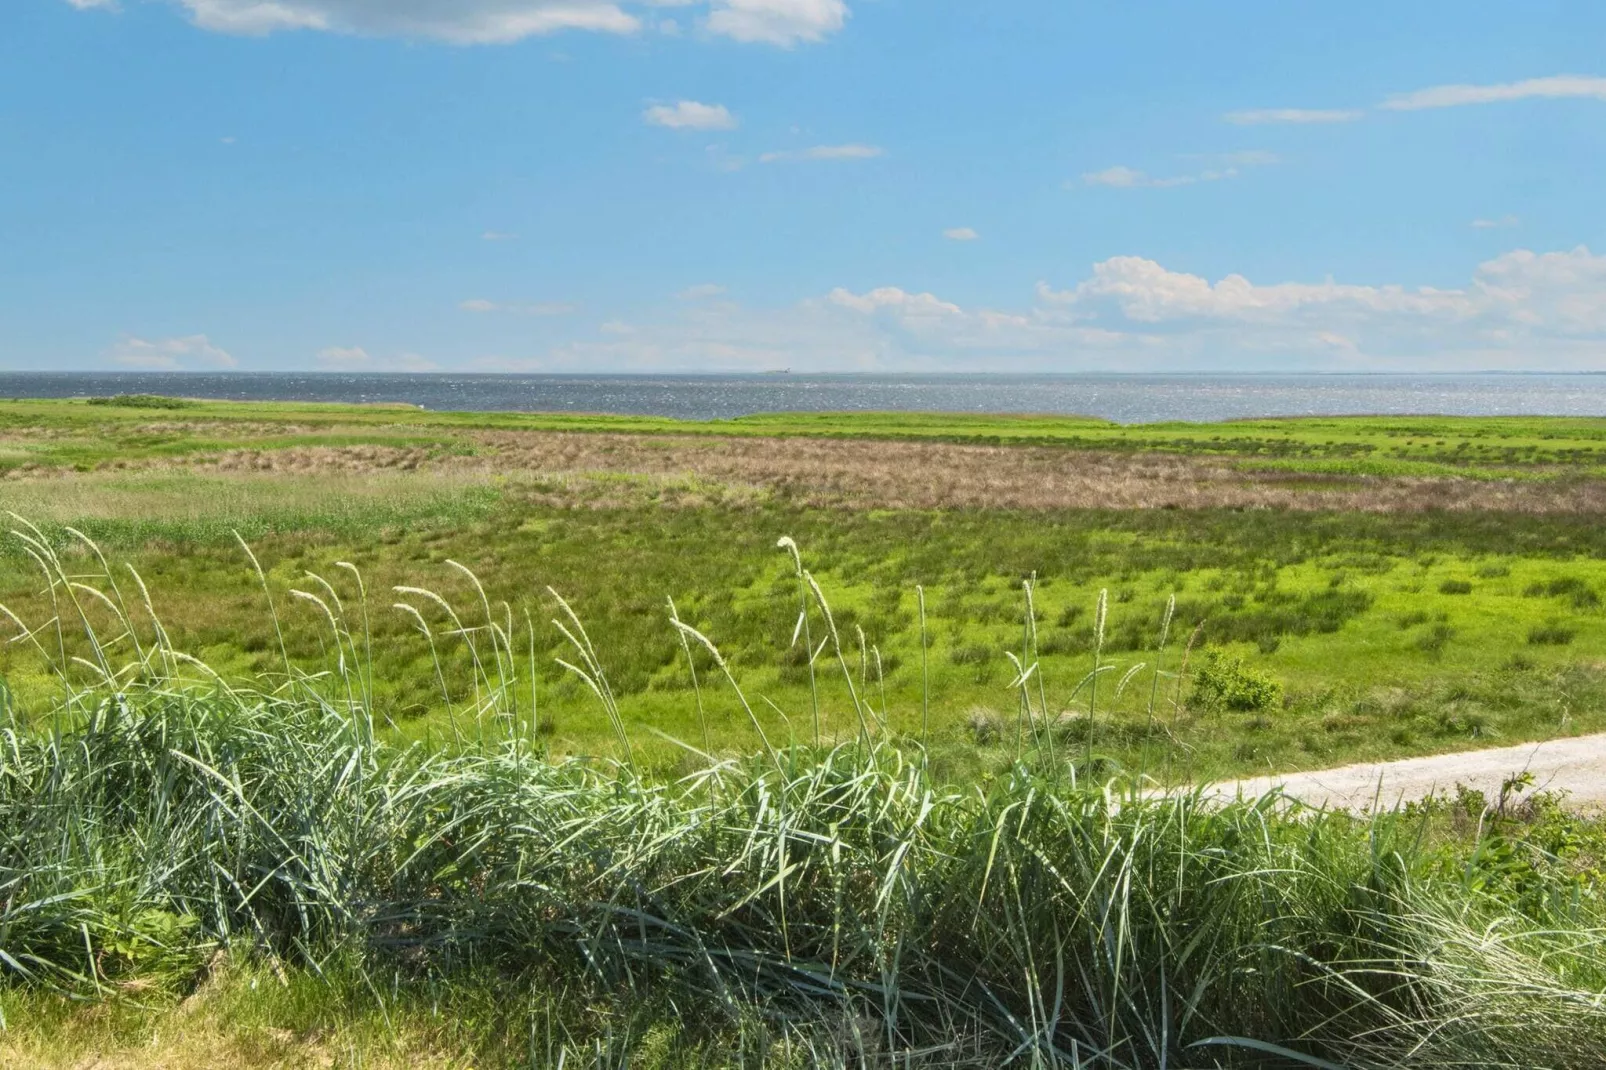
column 1049, row 918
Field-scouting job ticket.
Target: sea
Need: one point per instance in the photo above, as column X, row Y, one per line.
column 1121, row 398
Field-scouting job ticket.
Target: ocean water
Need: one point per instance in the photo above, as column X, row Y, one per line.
column 1124, row 398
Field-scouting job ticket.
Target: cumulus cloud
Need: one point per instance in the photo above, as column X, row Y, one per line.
column 539, row 308
column 778, row 22
column 960, row 234
column 1268, row 116
column 186, row 353
column 825, row 152
column 690, row 115
column 1452, row 96
column 1521, row 310
column 1145, row 292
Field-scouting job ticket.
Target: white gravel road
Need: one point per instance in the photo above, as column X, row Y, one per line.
column 1575, row 766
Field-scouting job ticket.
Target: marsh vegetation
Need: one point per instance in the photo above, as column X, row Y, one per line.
column 453, row 776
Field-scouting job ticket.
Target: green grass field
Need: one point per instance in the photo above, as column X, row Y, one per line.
column 351, row 796
column 81, row 434
column 1392, row 632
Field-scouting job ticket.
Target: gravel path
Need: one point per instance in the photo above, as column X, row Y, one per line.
column 1574, row 766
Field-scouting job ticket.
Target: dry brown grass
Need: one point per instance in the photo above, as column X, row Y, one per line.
column 926, row 475
column 585, row 469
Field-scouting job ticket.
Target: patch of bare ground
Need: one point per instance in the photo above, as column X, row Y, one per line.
column 578, row 468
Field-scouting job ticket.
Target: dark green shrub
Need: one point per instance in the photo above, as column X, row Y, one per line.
column 143, row 401
column 1455, row 587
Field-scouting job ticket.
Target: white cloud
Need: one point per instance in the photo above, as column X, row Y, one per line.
column 825, row 152
column 907, row 305
column 690, row 115
column 1267, row 116
column 778, row 22
column 701, row 292
column 1493, row 224
column 1120, row 177
column 1222, row 166
column 357, row 359
column 185, row 353
column 1145, row 292
column 1521, row 310
column 478, row 22
column 538, row 308
column 1451, row 96
column 960, row 234
column 498, row 235
column 461, row 22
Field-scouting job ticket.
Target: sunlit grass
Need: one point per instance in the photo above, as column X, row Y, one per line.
column 809, row 903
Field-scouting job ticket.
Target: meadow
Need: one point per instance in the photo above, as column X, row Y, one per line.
column 1398, row 614
column 368, row 734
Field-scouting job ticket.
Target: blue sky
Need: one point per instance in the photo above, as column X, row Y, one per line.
column 727, row 185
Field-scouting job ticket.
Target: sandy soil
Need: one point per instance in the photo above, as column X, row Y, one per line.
column 1576, row 767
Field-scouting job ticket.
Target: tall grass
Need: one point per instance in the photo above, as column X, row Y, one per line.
column 1043, row 919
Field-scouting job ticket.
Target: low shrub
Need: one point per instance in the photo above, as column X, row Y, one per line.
column 142, row 401
column 1225, row 682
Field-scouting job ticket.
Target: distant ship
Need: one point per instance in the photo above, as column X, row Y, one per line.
column 779, row 371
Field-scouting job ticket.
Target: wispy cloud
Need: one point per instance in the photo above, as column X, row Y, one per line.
column 188, row 352
column 1269, row 116
column 778, row 22
column 1558, row 87
column 785, row 23
column 701, row 292
column 358, row 359
column 539, row 308
column 690, row 115
column 825, row 152
column 1493, row 224
column 961, row 234
column 498, row 235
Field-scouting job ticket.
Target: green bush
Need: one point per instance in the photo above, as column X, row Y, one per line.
column 1455, row 587
column 1225, row 682
column 143, row 401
